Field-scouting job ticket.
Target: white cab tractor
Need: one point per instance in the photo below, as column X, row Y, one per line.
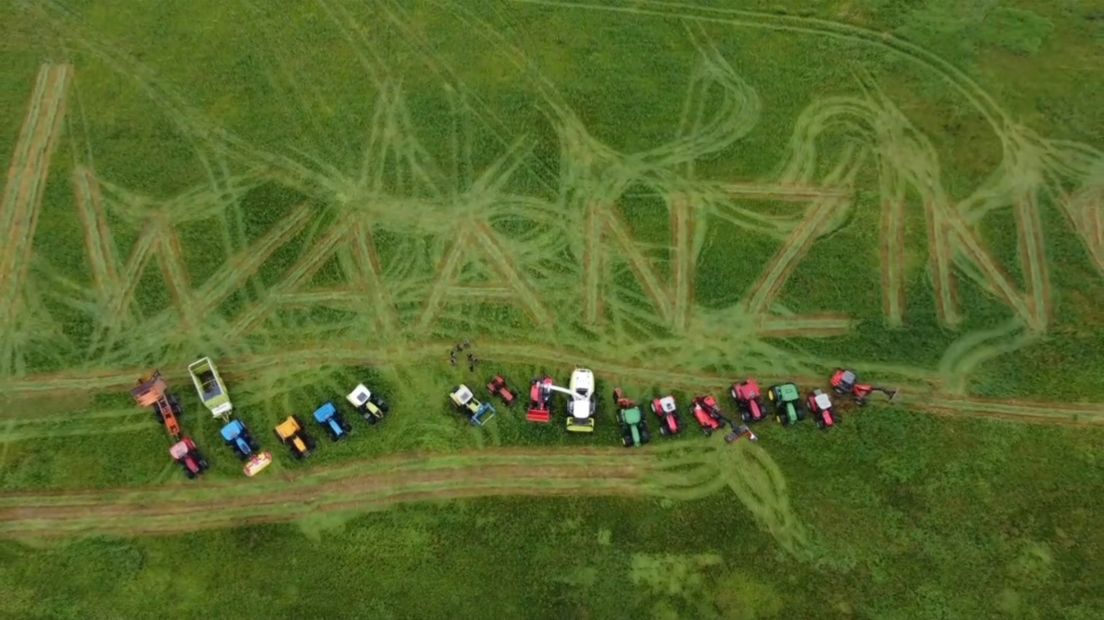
column 581, row 407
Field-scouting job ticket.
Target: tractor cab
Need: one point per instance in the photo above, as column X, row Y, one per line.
column 786, row 399
column 843, row 381
column 634, row 427
column 821, row 405
column 582, row 406
column 330, row 419
column 370, row 406
column 236, row 435
column 667, row 410
column 707, row 414
column 749, row 400
column 187, row 454
column 292, row 434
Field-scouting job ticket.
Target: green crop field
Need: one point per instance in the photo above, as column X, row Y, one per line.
column 677, row 195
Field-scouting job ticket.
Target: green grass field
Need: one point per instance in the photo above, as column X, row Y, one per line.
column 675, row 194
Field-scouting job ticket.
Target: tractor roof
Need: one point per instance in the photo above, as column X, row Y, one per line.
column 288, row 427
column 181, row 448
column 822, row 400
column 667, row 404
column 359, row 395
column 325, row 412
column 632, row 416
column 788, row 391
column 232, row 430
column 462, row 393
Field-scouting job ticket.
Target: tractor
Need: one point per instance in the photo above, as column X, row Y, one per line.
column 370, row 406
column 293, row 435
column 540, row 401
column 820, row 405
column 581, row 407
column 787, row 403
column 708, row 414
column 237, row 436
column 465, row 402
column 187, row 454
column 331, row 419
column 211, row 389
column 153, row 392
column 749, row 400
column 845, row 383
column 497, row 387
column 634, row 428
column 667, row 410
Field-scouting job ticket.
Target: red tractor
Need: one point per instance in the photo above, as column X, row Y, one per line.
column 846, row 383
column 153, row 392
column 540, row 401
column 820, row 405
column 708, row 414
column 187, row 454
column 749, row 400
column 667, row 410
column 497, row 387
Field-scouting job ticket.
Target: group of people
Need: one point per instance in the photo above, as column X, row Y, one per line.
column 473, row 361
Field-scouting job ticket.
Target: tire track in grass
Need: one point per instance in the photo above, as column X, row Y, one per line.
column 942, row 257
column 892, row 247
column 805, row 326
column 308, row 264
column 683, row 228
column 786, row 259
column 489, row 241
column 592, row 266
column 23, row 192
column 1033, row 257
column 408, row 478
column 639, row 264
column 103, row 258
column 446, row 275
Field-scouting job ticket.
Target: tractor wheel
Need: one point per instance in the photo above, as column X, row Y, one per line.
column 157, row 414
column 174, row 403
column 189, row 473
column 626, row 441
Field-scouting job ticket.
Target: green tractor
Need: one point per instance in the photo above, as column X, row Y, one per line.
column 787, row 403
column 634, row 428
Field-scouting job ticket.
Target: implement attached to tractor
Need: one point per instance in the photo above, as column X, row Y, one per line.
column 211, row 389
column 153, row 392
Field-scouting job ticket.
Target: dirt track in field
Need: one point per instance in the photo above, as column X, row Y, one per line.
column 363, row 486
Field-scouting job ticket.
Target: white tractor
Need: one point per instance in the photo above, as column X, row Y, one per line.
column 581, row 407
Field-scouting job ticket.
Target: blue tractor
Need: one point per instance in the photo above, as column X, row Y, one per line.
column 237, row 437
column 328, row 416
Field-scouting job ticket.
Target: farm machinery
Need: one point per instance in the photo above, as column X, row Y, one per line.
column 749, row 400
column 787, row 403
column 329, row 418
column 634, row 428
column 540, row 401
column 188, row 456
column 710, row 417
column 152, row 391
column 237, row 436
column 369, row 405
column 581, row 407
column 211, row 389
column 846, row 383
column 666, row 409
column 497, row 387
column 478, row 413
column 820, row 405
column 291, row 433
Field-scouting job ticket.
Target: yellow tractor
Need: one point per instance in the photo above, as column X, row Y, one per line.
column 292, row 434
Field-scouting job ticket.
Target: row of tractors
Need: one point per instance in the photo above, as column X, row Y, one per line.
column 152, row 391
column 786, row 404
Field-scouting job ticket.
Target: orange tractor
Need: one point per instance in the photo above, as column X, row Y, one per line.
column 153, row 392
